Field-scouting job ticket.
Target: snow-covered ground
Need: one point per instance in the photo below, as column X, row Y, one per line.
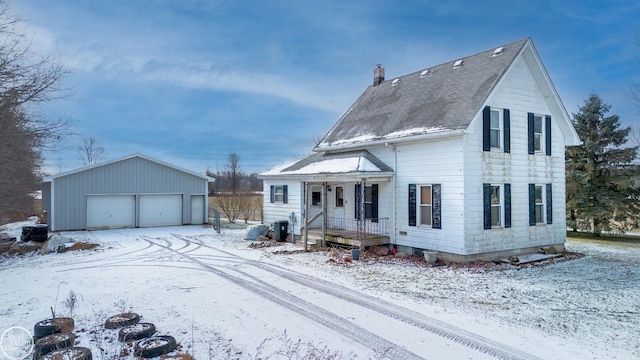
column 223, row 300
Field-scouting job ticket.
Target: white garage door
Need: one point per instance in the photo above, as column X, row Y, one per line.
column 160, row 210
column 111, row 211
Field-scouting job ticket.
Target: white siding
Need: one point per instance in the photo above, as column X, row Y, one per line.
column 434, row 162
column 518, row 92
column 279, row 211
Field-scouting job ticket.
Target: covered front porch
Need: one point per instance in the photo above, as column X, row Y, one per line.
column 343, row 198
column 352, row 233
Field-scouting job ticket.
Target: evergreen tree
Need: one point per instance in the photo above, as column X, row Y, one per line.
column 601, row 174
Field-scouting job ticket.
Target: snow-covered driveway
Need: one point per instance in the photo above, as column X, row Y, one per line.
column 221, row 299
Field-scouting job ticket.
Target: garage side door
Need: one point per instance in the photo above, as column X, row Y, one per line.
column 197, row 209
column 160, row 210
column 111, row 211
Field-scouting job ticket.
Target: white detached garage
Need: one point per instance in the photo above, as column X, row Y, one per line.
column 134, row 191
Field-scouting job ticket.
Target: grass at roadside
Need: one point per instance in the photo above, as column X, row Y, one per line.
column 625, row 238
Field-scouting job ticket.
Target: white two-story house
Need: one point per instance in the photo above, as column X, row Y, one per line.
column 465, row 159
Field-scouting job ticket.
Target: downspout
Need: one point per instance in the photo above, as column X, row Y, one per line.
column 395, row 193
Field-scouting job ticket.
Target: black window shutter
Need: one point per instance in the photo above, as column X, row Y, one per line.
column 486, row 128
column 507, row 205
column 532, row 204
column 436, row 208
column 374, row 202
column 357, row 201
column 549, row 207
column 530, row 132
column 486, row 202
column 412, row 205
column 547, row 135
column 285, row 194
column 272, row 194
column 506, row 118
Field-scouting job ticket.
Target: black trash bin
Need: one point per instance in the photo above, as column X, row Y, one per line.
column 281, row 229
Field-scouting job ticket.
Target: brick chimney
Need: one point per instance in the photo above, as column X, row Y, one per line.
column 378, row 75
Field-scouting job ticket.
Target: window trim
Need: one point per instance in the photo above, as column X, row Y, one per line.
column 499, row 129
column 339, row 196
column 278, row 191
column 500, row 207
column 421, row 206
column 542, row 133
column 542, row 204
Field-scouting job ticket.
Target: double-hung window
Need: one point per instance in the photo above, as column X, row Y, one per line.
column 278, row 194
column 425, row 205
column 538, row 133
column 539, row 128
column 539, row 204
column 496, row 129
column 496, row 206
column 495, row 126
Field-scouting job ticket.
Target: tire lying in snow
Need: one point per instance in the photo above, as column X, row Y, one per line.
column 136, row 331
column 121, row 320
column 52, row 342
column 53, row 326
column 155, row 346
column 71, row 353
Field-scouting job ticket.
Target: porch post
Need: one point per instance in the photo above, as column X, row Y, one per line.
column 324, row 213
column 306, row 214
column 363, row 184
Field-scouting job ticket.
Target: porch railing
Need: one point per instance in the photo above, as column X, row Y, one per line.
column 357, row 227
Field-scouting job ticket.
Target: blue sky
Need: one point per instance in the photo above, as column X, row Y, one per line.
column 191, row 81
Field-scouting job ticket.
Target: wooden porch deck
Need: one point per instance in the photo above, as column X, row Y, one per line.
column 353, row 239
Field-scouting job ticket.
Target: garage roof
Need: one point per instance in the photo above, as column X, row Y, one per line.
column 136, row 155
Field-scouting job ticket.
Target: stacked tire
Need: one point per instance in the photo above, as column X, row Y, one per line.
column 52, row 335
column 26, row 233
column 39, row 233
column 147, row 344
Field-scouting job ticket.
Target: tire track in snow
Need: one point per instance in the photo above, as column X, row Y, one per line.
column 393, row 311
column 304, row 308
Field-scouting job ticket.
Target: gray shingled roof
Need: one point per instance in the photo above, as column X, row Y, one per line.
column 444, row 99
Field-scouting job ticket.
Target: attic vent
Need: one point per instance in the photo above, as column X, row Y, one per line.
column 424, row 73
column 458, row 63
column 498, row 51
column 395, row 82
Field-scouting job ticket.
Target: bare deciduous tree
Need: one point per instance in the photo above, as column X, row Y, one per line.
column 26, row 80
column 90, row 151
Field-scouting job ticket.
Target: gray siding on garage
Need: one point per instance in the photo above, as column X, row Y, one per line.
column 133, row 175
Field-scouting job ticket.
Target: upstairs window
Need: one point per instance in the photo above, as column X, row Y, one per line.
column 537, row 133
column 539, row 128
column 495, row 129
